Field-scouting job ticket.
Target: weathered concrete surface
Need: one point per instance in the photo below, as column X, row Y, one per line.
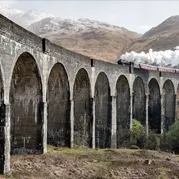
column 168, row 104
column 58, row 98
column 25, row 99
column 123, row 109
column 139, row 101
column 82, row 110
column 51, row 95
column 102, row 112
column 154, row 106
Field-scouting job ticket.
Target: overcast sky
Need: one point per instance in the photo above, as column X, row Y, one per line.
column 138, row 16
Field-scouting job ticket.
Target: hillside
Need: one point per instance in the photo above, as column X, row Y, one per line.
column 162, row 37
column 96, row 39
column 22, row 18
column 92, row 38
column 95, row 164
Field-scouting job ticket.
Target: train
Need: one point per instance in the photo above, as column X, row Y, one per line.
column 148, row 67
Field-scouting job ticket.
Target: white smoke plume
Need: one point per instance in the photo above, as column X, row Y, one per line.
column 167, row 58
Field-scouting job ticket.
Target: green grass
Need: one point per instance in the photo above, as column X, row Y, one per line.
column 77, row 150
column 163, row 173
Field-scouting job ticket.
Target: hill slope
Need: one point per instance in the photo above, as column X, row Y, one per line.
column 95, row 164
column 22, row 18
column 92, row 38
column 162, row 37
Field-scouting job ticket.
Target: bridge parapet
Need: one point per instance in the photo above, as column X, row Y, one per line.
column 17, row 33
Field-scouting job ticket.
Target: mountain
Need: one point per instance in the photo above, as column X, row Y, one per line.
column 93, row 38
column 162, row 37
column 89, row 37
column 23, row 18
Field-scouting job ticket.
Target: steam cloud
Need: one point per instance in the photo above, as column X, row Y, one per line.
column 167, row 58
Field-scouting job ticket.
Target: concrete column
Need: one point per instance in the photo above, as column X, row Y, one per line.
column 131, row 110
column 93, row 127
column 176, row 115
column 72, row 124
column 44, row 128
column 147, row 114
column 5, row 138
column 113, row 125
column 162, row 113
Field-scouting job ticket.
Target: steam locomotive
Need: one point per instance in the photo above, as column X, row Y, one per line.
column 148, row 67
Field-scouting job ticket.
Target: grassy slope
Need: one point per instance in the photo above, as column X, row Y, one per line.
column 95, row 164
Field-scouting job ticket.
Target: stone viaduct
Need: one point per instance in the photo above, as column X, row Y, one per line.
column 50, row 95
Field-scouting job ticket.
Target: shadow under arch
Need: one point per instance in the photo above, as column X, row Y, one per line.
column 123, row 110
column 26, row 106
column 168, row 110
column 102, row 112
column 82, row 109
column 58, row 107
column 154, row 106
column 139, row 101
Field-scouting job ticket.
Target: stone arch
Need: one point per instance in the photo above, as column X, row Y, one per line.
column 122, row 109
column 58, row 109
column 139, row 101
column 26, row 106
column 154, row 106
column 102, row 112
column 38, row 65
column 168, row 110
column 82, row 109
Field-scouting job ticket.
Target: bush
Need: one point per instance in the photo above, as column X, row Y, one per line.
column 153, row 141
column 172, row 137
column 138, row 130
column 123, row 137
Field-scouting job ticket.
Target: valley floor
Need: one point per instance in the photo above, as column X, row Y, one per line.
column 65, row 163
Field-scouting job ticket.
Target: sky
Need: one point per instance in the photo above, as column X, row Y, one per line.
column 137, row 16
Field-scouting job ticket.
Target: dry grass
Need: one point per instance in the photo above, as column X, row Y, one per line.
column 83, row 163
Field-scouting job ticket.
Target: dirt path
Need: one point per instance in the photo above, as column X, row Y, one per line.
column 95, row 164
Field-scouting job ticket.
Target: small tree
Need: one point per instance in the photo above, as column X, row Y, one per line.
column 137, row 129
column 138, row 134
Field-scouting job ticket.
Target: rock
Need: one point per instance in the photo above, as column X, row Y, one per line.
column 95, row 161
column 134, row 147
column 148, row 162
column 167, row 159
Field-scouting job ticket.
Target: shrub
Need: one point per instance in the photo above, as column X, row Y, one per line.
column 138, row 130
column 153, row 141
column 123, row 137
column 172, row 137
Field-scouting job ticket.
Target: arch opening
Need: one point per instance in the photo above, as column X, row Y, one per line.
column 139, row 101
column 58, row 98
column 154, row 108
column 26, row 106
column 102, row 112
column 168, row 111
column 123, row 110
column 82, row 110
